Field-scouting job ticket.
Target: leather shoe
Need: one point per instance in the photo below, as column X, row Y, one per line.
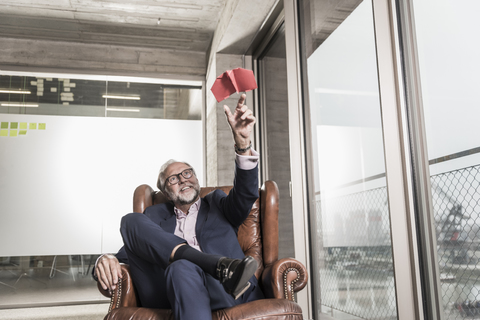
column 235, row 273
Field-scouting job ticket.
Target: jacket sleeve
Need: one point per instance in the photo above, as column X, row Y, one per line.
column 237, row 205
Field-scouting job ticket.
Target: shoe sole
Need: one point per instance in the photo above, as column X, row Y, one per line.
column 239, row 294
column 243, row 283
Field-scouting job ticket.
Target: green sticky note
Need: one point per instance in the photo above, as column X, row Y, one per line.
column 13, row 125
column 3, row 133
column 4, row 125
column 22, row 132
column 13, row 133
column 23, row 125
column 42, row 126
column 33, row 126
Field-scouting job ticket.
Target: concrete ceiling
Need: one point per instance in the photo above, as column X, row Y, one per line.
column 153, row 38
column 166, row 24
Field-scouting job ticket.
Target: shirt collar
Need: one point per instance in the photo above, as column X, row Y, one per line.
column 193, row 209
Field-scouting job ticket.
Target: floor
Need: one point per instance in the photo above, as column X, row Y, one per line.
column 36, row 291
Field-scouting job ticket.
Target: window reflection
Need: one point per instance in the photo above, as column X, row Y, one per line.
column 98, row 98
column 45, row 280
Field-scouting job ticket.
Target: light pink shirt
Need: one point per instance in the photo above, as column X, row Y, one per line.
column 186, row 222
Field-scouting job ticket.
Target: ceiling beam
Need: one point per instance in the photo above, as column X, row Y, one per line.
column 101, row 59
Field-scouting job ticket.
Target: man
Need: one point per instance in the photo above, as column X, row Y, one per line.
column 185, row 255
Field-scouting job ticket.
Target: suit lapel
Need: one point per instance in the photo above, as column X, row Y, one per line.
column 170, row 222
column 201, row 219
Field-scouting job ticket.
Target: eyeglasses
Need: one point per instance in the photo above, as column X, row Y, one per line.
column 175, row 178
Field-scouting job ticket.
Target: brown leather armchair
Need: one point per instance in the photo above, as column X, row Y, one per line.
column 258, row 237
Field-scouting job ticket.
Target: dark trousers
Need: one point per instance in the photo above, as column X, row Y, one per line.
column 181, row 286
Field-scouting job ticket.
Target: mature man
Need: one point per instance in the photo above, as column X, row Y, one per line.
column 185, row 255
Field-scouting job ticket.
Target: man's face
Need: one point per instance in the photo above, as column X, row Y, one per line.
column 186, row 191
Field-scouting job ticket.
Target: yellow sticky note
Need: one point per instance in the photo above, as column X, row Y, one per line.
column 13, row 133
column 22, row 132
column 42, row 126
column 23, row 125
column 3, row 133
column 33, row 126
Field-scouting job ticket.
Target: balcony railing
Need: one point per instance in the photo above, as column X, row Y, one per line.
column 358, row 274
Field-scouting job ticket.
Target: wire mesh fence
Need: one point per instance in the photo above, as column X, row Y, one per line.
column 456, row 202
column 357, row 277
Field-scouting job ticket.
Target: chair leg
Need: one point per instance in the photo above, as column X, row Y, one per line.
column 7, row 285
column 54, row 269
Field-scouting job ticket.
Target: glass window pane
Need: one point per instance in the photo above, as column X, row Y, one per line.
column 60, row 134
column 352, row 255
column 448, row 52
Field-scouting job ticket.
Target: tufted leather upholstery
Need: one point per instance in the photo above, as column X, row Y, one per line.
column 258, row 237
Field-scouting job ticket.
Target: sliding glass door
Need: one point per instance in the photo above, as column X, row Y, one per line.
column 393, row 157
column 443, row 59
column 352, row 265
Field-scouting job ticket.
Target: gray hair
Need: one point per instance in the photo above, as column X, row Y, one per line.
column 162, row 173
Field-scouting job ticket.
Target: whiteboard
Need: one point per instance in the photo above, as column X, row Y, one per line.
column 65, row 182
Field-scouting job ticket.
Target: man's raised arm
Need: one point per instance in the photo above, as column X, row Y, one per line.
column 241, row 122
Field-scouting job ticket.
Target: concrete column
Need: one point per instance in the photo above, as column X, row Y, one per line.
column 211, row 128
column 220, row 145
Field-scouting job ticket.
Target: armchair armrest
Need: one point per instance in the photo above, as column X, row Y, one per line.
column 124, row 294
column 283, row 278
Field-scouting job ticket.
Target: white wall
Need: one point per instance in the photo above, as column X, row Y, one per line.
column 64, row 189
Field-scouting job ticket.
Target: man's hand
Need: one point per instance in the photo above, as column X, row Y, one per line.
column 241, row 122
column 108, row 272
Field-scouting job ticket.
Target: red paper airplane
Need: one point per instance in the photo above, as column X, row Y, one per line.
column 236, row 80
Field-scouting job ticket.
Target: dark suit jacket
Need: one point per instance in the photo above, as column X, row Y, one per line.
column 218, row 220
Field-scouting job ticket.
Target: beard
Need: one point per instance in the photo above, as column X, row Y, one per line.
column 184, row 199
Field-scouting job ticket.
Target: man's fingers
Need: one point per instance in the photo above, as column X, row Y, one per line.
column 246, row 114
column 119, row 271
column 108, row 272
column 241, row 109
column 114, row 274
column 103, row 284
column 241, row 101
column 102, row 278
column 227, row 110
column 107, row 276
column 228, row 114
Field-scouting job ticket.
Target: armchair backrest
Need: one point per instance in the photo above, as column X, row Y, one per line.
column 258, row 235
